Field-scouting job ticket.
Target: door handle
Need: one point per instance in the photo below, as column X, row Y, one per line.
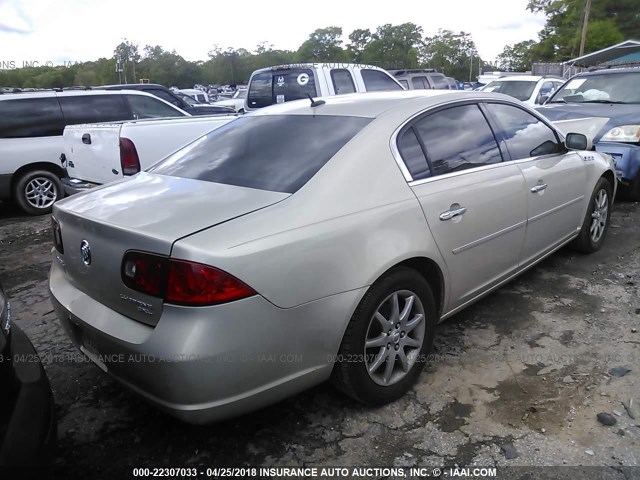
column 86, row 139
column 539, row 188
column 449, row 214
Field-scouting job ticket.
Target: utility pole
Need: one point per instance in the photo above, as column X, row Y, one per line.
column 583, row 40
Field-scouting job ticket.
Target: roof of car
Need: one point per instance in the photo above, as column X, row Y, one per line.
column 527, row 78
column 129, row 86
column 317, row 65
column 374, row 104
column 69, row 93
column 607, row 71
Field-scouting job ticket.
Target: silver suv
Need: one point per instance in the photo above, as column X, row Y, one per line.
column 422, row 78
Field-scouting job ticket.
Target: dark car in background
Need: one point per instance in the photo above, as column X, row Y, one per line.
column 166, row 94
column 28, row 428
column 607, row 102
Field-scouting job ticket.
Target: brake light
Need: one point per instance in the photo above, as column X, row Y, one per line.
column 193, row 283
column 57, row 235
column 129, row 160
column 181, row 282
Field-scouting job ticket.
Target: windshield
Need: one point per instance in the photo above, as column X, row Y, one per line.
column 519, row 89
column 601, row 88
column 279, row 153
column 240, row 94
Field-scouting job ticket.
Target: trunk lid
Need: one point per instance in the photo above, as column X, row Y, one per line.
column 147, row 213
column 93, row 152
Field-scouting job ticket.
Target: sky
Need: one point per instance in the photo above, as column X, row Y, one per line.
column 58, row 31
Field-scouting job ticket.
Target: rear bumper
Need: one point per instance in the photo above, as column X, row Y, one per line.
column 31, row 434
column 73, row 185
column 208, row 363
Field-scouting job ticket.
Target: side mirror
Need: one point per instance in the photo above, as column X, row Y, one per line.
column 578, row 141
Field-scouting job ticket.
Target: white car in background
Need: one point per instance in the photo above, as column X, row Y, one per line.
column 196, row 94
column 236, row 102
column 529, row 89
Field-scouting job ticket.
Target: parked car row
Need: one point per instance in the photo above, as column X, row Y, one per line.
column 32, row 144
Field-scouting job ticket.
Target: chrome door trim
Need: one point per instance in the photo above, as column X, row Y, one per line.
column 489, row 237
column 520, row 270
column 555, row 209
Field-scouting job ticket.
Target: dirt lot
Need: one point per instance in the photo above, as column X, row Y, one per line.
column 521, row 374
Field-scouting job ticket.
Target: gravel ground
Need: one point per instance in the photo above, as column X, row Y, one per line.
column 516, row 379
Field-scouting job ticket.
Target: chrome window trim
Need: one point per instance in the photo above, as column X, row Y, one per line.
column 393, row 142
column 467, row 171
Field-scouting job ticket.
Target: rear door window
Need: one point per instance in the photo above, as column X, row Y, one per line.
column 149, row 107
column 279, row 153
column 440, row 82
column 31, row 117
column 419, row 83
column 413, row 155
column 279, row 86
column 342, row 81
column 458, row 138
column 375, row 81
column 93, row 109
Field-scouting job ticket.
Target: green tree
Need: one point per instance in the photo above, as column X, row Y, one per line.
column 610, row 21
column 128, row 55
column 392, row 46
column 454, row 54
column 324, row 44
column 517, row 57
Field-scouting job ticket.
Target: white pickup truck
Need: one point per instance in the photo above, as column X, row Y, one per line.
column 95, row 154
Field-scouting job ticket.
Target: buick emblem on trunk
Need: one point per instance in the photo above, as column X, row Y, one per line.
column 85, row 251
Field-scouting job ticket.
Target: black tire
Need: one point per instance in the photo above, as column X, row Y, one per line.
column 631, row 191
column 585, row 242
column 350, row 374
column 28, row 197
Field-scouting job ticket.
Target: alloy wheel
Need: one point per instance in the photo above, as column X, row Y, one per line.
column 41, row 192
column 599, row 216
column 394, row 337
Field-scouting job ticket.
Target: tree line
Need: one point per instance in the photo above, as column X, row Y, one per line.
column 388, row 46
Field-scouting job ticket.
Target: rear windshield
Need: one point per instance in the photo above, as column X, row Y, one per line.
column 279, row 86
column 279, row 153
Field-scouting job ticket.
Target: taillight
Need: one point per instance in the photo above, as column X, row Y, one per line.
column 129, row 160
column 57, row 235
column 145, row 273
column 193, row 283
column 181, row 282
